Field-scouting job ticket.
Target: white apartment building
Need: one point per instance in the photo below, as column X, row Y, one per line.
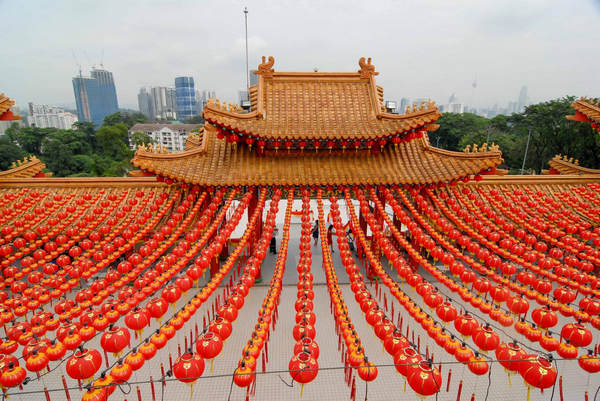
column 44, row 116
column 171, row 136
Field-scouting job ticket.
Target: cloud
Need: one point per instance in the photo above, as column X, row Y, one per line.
column 428, row 48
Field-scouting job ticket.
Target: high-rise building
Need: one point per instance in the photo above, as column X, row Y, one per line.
column 522, row 99
column 403, row 103
column 186, row 97
column 253, row 78
column 158, row 103
column 457, row 108
column 243, row 96
column 145, row 103
column 164, row 103
column 203, row 97
column 95, row 96
column 43, row 116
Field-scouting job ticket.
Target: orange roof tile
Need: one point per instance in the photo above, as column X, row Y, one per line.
column 318, row 105
column 217, row 162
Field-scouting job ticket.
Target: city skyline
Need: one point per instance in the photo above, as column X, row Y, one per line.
column 499, row 46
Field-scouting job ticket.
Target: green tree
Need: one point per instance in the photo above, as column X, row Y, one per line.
column 28, row 138
column 112, row 141
column 129, row 119
column 139, row 138
column 453, row 127
column 59, row 151
column 9, row 152
column 552, row 133
column 88, row 128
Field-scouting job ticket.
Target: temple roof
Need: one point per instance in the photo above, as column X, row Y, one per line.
column 563, row 165
column 27, row 168
column 5, row 105
column 217, row 162
column 586, row 110
column 318, row 106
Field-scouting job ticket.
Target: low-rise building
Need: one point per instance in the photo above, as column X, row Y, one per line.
column 171, row 136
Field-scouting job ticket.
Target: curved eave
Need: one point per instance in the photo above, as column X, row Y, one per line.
column 586, row 111
column 384, row 126
column 26, row 170
column 224, row 163
column 566, row 167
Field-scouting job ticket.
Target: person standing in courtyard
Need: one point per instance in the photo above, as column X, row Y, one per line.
column 315, row 231
column 330, row 237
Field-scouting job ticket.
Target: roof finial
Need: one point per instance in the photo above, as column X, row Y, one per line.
column 266, row 67
column 366, row 68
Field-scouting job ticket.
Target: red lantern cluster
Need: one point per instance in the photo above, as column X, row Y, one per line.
column 304, row 364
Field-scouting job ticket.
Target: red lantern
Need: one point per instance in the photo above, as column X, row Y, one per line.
column 307, row 344
column 36, row 361
column 137, row 319
column 188, row 368
column 13, row 376
column 221, row 327
column 121, row 372
column 83, row 364
column 243, row 375
column 537, row 372
column 485, row 338
column 589, row 363
column 135, row 359
column 579, row 335
column 544, row 317
column 517, row 305
column 367, row 371
column 115, row 340
column 303, row 368
column 510, row 356
column 209, row 346
column 478, row 365
column 465, row 324
column 405, row 359
column 157, row 307
column 446, row 311
column 424, row 379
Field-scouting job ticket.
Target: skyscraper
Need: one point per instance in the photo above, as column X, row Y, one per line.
column 96, row 96
column 403, row 103
column 145, row 103
column 522, row 99
column 253, row 78
column 202, row 98
column 186, row 98
column 164, row 103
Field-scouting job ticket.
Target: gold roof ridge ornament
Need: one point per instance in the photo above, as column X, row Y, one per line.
column 266, row 67
column 367, row 70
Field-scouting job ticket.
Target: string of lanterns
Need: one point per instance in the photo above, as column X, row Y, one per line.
column 353, row 352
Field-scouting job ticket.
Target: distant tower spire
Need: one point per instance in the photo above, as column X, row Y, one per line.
column 247, row 70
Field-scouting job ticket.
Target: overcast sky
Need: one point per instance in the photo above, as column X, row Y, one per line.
column 426, row 48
